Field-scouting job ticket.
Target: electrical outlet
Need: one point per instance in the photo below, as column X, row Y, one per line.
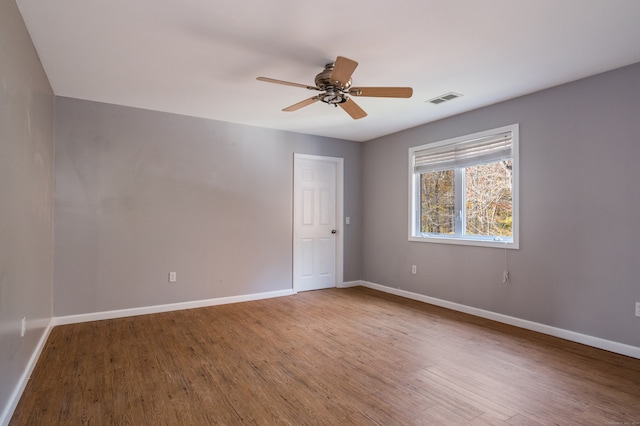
column 23, row 330
column 414, row 269
column 638, row 309
column 173, row 277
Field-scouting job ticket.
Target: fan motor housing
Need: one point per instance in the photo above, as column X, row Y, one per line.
column 334, row 91
column 323, row 80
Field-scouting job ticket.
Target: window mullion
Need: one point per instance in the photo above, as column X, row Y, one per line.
column 459, row 201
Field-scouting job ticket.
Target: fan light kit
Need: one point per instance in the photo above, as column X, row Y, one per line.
column 335, row 84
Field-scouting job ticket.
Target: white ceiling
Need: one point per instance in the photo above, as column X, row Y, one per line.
column 202, row 57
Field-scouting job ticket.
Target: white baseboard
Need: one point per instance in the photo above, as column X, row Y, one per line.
column 348, row 284
column 596, row 342
column 121, row 313
column 12, row 403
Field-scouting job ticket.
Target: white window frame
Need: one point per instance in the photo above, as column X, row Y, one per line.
column 414, row 195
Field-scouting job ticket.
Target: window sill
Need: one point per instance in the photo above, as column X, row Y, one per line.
column 465, row 241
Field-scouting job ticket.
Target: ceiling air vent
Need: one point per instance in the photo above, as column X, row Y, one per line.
column 444, row 98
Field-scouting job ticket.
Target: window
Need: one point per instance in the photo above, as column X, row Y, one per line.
column 465, row 190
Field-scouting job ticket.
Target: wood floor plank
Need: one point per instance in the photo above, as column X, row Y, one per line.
column 520, row 420
column 336, row 356
column 474, row 402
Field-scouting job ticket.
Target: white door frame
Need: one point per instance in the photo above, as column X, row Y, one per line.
column 339, row 216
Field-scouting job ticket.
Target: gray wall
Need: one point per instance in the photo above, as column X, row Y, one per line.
column 141, row 193
column 26, row 203
column 578, row 267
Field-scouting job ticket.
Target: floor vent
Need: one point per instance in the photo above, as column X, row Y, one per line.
column 444, row 98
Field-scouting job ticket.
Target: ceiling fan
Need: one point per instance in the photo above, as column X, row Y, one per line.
column 335, row 84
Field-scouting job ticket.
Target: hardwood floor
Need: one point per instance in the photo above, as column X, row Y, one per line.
column 334, row 357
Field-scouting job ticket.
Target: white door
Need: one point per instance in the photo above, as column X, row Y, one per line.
column 316, row 237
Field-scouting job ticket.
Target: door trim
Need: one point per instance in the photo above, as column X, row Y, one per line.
column 339, row 161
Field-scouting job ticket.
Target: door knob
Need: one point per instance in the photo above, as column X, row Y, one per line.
column 333, row 231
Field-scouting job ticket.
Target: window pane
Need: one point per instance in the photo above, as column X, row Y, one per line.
column 488, row 199
column 437, row 202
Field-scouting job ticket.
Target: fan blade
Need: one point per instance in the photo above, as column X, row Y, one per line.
column 286, row 83
column 342, row 70
column 382, row 92
column 353, row 109
column 301, row 104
